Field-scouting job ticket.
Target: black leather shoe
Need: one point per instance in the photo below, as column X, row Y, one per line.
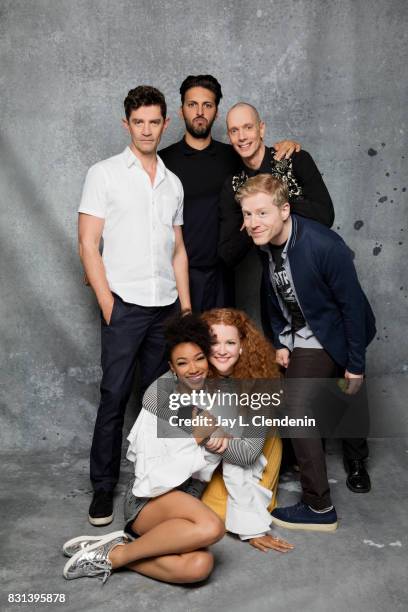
column 101, row 508
column 358, row 479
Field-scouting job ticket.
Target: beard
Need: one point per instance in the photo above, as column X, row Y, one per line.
column 200, row 131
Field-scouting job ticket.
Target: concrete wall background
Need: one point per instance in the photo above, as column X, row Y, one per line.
column 330, row 73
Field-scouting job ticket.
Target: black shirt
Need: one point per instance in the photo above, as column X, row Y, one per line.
column 202, row 173
column 308, row 197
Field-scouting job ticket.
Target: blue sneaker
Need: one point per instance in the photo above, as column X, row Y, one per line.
column 300, row 516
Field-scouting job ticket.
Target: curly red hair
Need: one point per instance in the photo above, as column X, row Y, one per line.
column 258, row 356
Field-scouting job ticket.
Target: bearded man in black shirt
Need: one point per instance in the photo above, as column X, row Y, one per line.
column 202, row 164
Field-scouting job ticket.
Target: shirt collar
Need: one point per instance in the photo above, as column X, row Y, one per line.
column 131, row 159
column 264, row 168
column 161, row 171
column 187, row 150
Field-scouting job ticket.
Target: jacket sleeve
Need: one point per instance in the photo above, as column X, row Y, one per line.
column 315, row 203
column 233, row 244
column 341, row 276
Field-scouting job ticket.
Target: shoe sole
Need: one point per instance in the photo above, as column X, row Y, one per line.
column 81, row 539
column 98, row 522
column 72, row 560
column 306, row 526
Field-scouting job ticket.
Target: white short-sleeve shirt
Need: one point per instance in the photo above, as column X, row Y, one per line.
column 138, row 235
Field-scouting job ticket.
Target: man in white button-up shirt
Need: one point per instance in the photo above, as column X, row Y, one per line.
column 135, row 204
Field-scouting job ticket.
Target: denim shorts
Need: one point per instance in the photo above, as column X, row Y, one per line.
column 133, row 505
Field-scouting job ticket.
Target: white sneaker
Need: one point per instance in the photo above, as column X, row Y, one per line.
column 93, row 560
column 71, row 547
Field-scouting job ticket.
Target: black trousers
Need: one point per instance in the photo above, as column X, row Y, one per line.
column 211, row 287
column 135, row 332
column 309, row 452
column 353, row 448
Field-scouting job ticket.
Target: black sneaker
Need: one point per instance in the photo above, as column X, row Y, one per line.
column 101, row 508
column 301, row 516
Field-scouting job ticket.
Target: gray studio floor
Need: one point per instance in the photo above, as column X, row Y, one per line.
column 361, row 567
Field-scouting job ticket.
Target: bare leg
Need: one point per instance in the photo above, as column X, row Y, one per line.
column 178, row 569
column 171, row 524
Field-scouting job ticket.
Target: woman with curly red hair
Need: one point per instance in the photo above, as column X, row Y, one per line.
column 240, row 351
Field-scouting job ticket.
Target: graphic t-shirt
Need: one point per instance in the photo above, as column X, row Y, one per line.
column 285, row 288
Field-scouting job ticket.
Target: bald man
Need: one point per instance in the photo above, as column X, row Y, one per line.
column 308, row 195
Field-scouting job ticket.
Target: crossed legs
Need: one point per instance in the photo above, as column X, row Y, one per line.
column 174, row 529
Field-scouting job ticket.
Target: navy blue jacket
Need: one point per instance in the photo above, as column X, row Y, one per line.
column 329, row 294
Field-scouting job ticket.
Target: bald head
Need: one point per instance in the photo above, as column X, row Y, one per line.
column 244, row 106
column 246, row 131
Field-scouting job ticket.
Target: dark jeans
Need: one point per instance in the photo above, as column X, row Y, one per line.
column 135, row 332
column 211, row 287
column 309, row 452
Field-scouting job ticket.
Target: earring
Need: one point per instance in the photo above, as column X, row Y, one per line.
column 240, row 351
